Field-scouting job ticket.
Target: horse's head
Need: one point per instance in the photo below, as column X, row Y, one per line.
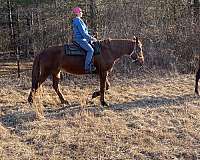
column 137, row 53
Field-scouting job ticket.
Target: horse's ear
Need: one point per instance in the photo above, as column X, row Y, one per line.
column 108, row 40
column 134, row 38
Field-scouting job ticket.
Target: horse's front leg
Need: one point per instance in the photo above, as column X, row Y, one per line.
column 103, row 76
column 197, row 81
column 97, row 93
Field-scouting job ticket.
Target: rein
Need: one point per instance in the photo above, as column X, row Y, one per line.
column 147, row 69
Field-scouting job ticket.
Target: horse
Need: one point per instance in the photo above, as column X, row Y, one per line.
column 197, row 80
column 53, row 59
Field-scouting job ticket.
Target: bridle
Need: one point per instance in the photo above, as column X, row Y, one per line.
column 144, row 67
column 139, row 57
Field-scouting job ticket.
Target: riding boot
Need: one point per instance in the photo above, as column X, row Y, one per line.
column 92, row 70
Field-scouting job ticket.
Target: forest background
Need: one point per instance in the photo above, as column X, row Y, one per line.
column 168, row 29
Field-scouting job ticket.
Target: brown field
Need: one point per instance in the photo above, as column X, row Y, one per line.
column 150, row 117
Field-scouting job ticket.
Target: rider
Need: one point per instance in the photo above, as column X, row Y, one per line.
column 82, row 37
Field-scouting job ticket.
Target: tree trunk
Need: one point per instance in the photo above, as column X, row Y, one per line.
column 12, row 35
column 196, row 23
column 93, row 15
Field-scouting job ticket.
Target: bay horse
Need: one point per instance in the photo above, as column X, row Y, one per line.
column 52, row 60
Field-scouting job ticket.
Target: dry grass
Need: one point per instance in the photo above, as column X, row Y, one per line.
column 149, row 118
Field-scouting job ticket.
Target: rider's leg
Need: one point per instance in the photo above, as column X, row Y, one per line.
column 88, row 60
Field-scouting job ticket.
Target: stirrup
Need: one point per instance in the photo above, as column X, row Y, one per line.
column 93, row 70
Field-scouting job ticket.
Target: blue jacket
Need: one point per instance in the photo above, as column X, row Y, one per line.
column 80, row 30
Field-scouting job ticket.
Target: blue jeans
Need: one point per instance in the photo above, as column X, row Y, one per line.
column 90, row 51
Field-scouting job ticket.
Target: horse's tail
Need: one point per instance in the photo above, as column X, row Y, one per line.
column 35, row 78
column 36, row 72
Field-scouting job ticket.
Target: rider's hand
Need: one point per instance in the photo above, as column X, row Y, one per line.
column 94, row 39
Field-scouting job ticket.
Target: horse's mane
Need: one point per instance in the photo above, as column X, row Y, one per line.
column 117, row 44
column 120, row 46
column 105, row 43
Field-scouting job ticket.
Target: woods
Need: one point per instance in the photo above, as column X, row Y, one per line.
column 170, row 29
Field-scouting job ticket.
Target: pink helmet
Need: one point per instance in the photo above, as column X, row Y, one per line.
column 76, row 10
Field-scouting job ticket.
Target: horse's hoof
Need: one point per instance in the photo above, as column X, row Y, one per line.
column 197, row 92
column 104, row 104
column 95, row 94
column 30, row 100
column 65, row 102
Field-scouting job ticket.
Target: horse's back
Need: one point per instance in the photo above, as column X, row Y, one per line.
column 54, row 52
column 50, row 58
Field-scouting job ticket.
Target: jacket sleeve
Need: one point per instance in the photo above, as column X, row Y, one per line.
column 82, row 31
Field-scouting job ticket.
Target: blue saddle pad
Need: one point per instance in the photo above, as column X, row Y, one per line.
column 74, row 49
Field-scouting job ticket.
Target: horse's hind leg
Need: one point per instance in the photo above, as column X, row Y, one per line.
column 196, row 82
column 56, row 78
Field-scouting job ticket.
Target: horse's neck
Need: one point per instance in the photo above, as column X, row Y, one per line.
column 120, row 48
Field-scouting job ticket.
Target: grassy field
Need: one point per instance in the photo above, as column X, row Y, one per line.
column 150, row 117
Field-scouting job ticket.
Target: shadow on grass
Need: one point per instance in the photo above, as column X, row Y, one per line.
column 17, row 118
column 14, row 119
column 154, row 102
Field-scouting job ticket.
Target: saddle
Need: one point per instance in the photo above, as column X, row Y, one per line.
column 74, row 49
